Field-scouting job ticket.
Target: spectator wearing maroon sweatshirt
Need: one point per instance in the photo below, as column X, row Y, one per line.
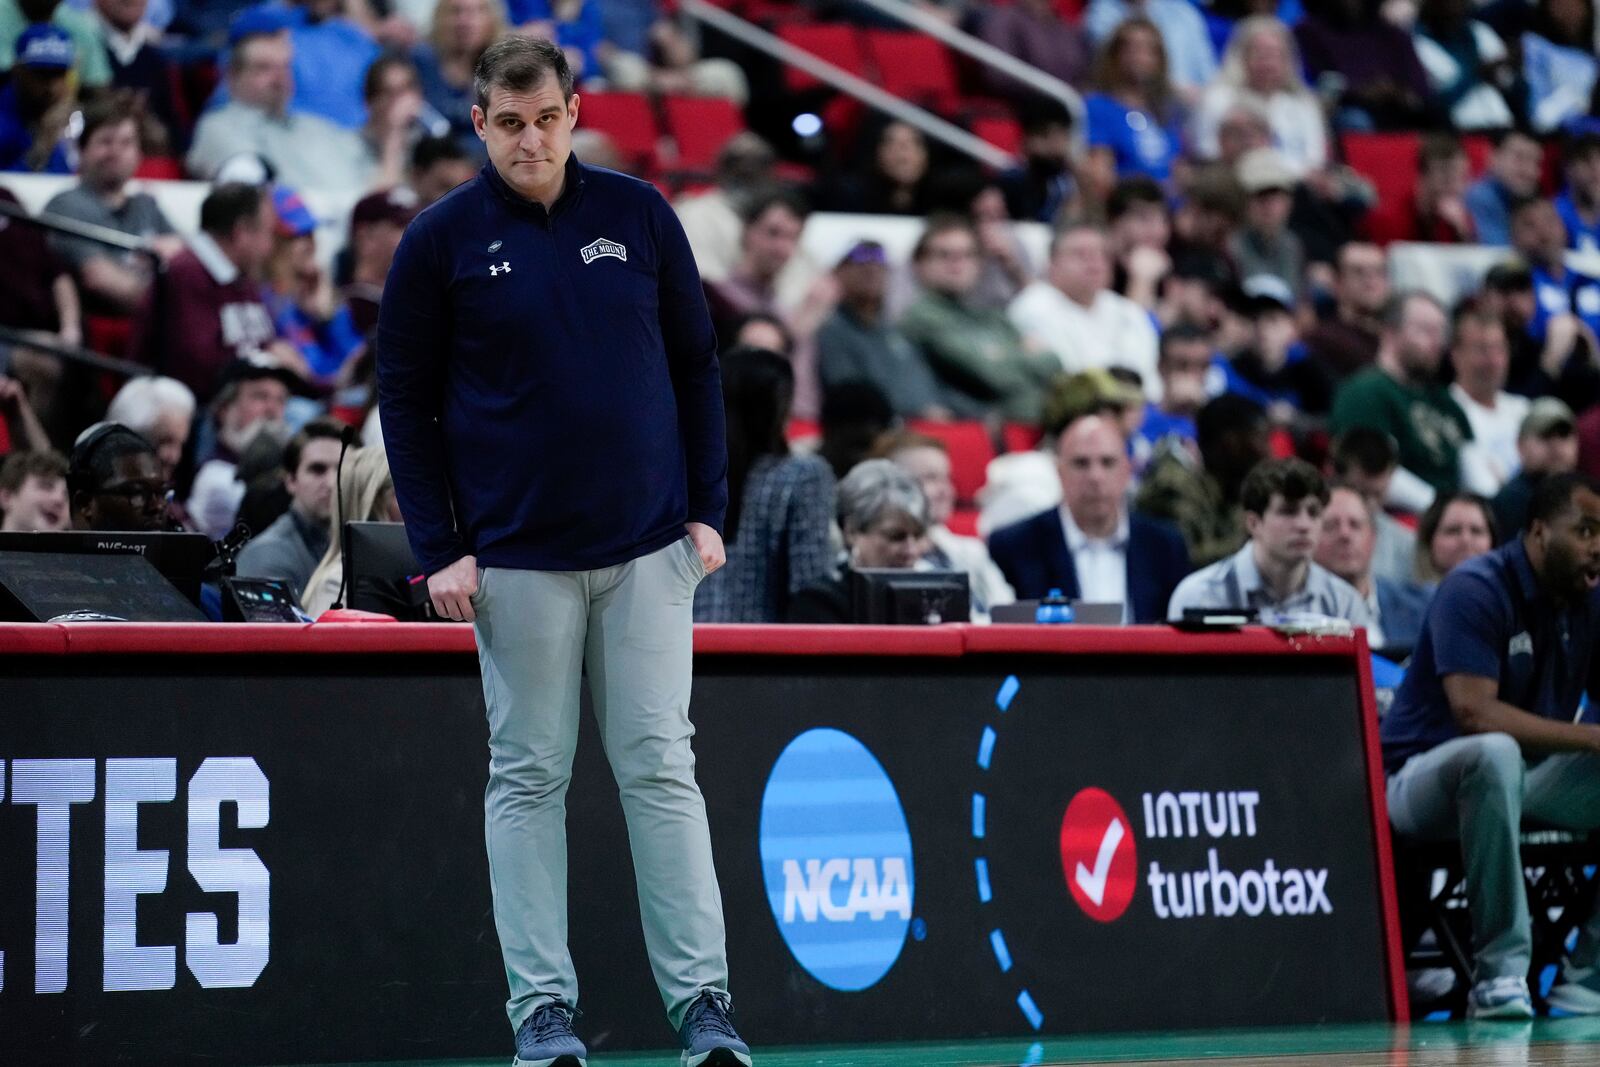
column 207, row 312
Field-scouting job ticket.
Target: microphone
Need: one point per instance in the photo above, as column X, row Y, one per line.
column 347, row 437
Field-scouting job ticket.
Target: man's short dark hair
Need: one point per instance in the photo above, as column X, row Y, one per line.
column 321, row 429
column 939, row 224
column 1553, row 495
column 94, row 457
column 1226, row 414
column 771, row 320
column 1364, row 449
column 46, row 465
column 520, row 63
column 1579, row 145
column 227, row 206
column 112, row 109
column 1291, row 478
column 787, row 199
column 1041, row 114
column 1182, row 333
column 432, row 150
column 1130, row 193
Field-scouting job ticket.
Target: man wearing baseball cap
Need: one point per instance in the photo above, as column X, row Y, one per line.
column 376, row 224
column 1547, row 444
column 858, row 342
column 35, row 106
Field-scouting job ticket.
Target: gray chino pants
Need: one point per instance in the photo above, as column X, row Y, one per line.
column 1477, row 789
column 630, row 626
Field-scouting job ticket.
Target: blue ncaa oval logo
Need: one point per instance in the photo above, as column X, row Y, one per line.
column 494, row 247
column 836, row 859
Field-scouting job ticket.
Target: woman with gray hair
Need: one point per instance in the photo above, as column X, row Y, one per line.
column 884, row 518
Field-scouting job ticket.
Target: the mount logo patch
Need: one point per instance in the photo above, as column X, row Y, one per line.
column 601, row 248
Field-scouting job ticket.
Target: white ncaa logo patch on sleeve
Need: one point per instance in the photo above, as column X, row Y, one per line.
column 600, row 248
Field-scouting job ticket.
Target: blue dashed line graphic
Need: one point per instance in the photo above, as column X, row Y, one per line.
column 986, row 747
column 1002, row 955
column 1008, row 693
column 1030, row 1009
column 997, row 939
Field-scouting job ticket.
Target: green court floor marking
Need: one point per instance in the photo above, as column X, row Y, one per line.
column 1302, row 1041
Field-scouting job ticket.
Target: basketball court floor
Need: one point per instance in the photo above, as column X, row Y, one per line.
column 1545, row 1043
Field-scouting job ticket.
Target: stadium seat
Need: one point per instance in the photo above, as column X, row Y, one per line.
column 1002, row 132
column 627, row 119
column 963, row 521
column 915, row 66
column 1020, row 437
column 970, row 452
column 701, row 125
column 838, row 44
column 1388, row 161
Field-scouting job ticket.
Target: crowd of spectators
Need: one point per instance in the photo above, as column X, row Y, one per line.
column 1230, row 402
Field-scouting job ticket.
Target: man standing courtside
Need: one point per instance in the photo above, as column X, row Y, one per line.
column 553, row 415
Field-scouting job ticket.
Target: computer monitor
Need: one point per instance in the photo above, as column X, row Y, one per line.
column 380, row 572
column 906, row 597
column 181, row 558
column 122, row 586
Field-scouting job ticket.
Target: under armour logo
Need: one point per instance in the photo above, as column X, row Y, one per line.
column 503, row 268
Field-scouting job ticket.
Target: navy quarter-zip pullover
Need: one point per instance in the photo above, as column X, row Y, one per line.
column 548, row 382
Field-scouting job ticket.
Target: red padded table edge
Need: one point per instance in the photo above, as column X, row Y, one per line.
column 1378, row 804
column 22, row 637
column 1151, row 640
column 830, row 640
column 235, row 638
column 952, row 640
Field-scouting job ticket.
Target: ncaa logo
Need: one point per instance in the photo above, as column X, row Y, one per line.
column 836, row 859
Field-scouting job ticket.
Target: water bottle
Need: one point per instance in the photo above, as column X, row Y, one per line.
column 1054, row 608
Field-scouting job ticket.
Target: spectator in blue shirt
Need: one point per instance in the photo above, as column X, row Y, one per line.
column 1483, row 733
column 575, row 25
column 1184, row 363
column 331, row 56
column 1541, row 240
column 1183, row 32
column 1135, row 124
column 36, row 104
column 1513, row 177
column 1579, row 202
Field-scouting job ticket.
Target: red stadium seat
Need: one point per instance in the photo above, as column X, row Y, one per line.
column 701, row 125
column 1020, row 437
column 1002, row 132
column 963, row 521
column 838, row 44
column 627, row 119
column 970, row 452
column 913, row 65
column 1389, row 161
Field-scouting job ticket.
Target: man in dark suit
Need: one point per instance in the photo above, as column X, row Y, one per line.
column 1091, row 547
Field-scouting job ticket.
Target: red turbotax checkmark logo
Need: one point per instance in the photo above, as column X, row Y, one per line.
column 1098, row 855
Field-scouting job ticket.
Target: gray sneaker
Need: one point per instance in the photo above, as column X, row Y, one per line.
column 1500, row 998
column 545, row 1039
column 708, row 1037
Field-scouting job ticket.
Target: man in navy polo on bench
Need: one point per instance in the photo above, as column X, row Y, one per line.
column 1483, row 733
